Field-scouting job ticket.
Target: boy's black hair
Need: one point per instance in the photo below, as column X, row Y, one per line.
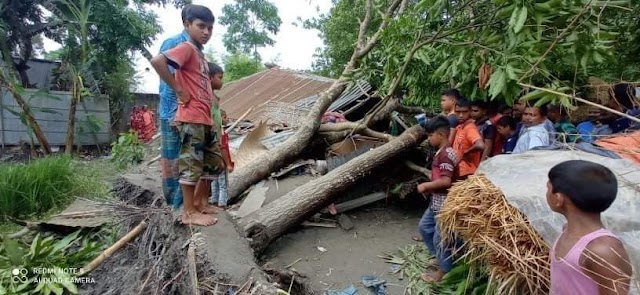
column 215, row 69
column 463, row 103
column 590, row 186
column 624, row 95
column 452, row 93
column 183, row 14
column 506, row 121
column 439, row 123
column 200, row 12
column 480, row 104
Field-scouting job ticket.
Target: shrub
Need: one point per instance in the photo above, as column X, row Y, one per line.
column 127, row 150
column 62, row 259
column 36, row 187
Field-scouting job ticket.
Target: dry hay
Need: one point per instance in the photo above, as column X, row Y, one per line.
column 497, row 235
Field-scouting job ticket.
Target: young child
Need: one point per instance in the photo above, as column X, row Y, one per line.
column 586, row 258
column 467, row 143
column 506, row 126
column 448, row 102
column 219, row 191
column 193, row 118
column 485, row 126
column 442, row 176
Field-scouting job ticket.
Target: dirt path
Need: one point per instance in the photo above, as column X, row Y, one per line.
column 350, row 254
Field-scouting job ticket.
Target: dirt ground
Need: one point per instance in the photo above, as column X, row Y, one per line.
column 349, row 254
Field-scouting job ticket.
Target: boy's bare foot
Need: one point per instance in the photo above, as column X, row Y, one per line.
column 209, row 209
column 433, row 277
column 196, row 218
column 417, row 238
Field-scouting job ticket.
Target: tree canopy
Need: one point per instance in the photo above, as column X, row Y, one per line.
column 250, row 25
column 437, row 44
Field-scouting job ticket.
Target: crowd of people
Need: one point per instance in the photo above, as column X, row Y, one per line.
column 519, row 128
column 587, row 258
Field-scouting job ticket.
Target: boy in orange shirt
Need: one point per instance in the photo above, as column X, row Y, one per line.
column 467, row 143
column 199, row 151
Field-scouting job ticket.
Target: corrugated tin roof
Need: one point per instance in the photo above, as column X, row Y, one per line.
column 268, row 86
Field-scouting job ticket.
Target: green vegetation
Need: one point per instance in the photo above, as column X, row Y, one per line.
column 127, row 150
column 436, row 44
column 464, row 278
column 250, row 24
column 51, row 253
column 239, row 65
column 40, row 186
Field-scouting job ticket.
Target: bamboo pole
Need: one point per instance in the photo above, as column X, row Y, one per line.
column 191, row 256
column 239, row 119
column 115, row 247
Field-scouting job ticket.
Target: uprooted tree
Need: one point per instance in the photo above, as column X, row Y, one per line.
column 487, row 48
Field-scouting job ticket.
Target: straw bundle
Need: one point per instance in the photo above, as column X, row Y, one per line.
column 497, row 235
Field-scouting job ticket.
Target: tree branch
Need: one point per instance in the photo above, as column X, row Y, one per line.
column 553, row 44
column 415, row 167
column 385, row 22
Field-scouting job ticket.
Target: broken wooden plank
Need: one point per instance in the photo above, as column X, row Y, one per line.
column 254, row 200
column 359, row 202
column 319, row 224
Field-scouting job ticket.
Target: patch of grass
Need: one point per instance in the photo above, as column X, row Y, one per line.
column 36, row 187
column 49, row 184
column 93, row 178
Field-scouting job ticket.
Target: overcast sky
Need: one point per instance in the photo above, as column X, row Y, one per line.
column 294, row 46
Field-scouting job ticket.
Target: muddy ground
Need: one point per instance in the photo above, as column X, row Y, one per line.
column 378, row 228
column 349, row 254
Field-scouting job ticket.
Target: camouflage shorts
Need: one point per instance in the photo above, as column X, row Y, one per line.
column 200, row 155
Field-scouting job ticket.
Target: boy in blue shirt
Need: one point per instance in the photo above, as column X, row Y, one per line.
column 170, row 147
column 506, row 126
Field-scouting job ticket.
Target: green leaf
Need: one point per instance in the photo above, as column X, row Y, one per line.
column 66, row 242
column 532, row 95
column 522, row 18
column 497, row 83
column 56, row 288
column 14, row 251
column 514, row 17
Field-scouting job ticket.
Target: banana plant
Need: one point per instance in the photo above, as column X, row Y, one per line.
column 79, row 53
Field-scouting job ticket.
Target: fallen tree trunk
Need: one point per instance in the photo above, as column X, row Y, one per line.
column 284, row 154
column 270, row 222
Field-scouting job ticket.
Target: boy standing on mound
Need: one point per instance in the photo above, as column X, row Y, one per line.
column 197, row 159
column 587, row 258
